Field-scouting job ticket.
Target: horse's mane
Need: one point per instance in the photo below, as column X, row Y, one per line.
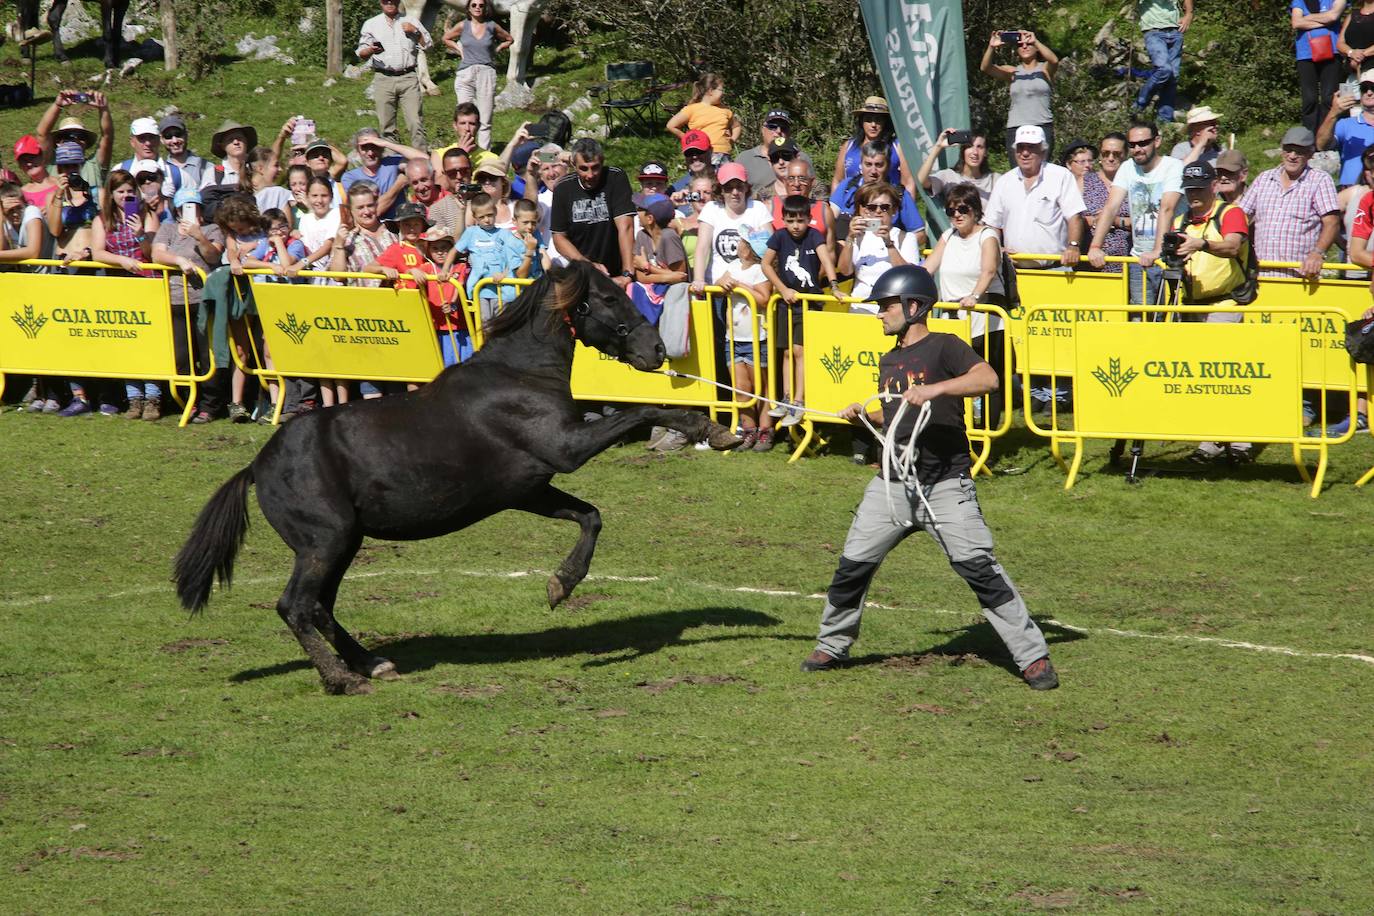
column 552, row 295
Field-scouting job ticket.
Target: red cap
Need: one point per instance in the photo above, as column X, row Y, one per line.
column 731, row 171
column 695, row 139
column 27, row 145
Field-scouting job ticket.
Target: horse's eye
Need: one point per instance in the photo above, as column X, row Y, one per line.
column 622, row 330
column 583, row 309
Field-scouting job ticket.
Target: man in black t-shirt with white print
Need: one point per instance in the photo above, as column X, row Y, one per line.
column 942, row 370
column 592, row 218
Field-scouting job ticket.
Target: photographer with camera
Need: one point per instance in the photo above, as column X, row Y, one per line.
column 1209, row 245
column 449, row 211
column 97, row 149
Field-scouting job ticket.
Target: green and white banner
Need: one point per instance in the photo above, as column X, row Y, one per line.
column 918, row 49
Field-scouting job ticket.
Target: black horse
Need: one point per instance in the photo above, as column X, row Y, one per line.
column 486, row 435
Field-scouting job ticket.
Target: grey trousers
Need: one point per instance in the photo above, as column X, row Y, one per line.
column 967, row 544
column 392, row 92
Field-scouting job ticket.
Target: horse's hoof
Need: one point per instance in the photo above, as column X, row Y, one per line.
column 720, row 438
column 557, row 592
column 383, row 669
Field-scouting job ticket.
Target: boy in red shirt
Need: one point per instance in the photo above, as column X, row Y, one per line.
column 410, row 262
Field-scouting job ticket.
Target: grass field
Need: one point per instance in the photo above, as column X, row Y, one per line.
column 651, row 746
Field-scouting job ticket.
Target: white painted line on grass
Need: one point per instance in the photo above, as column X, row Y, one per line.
column 740, row 589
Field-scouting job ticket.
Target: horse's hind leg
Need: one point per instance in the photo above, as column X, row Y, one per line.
column 552, row 502
column 297, row 607
column 354, row 655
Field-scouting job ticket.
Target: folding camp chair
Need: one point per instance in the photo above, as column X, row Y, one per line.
column 631, row 95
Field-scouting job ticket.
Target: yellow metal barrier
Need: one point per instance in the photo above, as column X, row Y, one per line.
column 1188, row 380
column 843, row 370
column 599, row 377
column 377, row 334
column 116, row 327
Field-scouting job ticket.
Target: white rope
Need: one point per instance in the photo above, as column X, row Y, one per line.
column 894, row 460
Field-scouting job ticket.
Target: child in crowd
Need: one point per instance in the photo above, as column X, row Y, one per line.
column 756, row 427
column 242, row 226
column 122, row 236
column 263, row 169
column 408, row 265
column 455, row 343
column 659, row 257
column 796, row 260
column 298, row 182
column 490, row 253
column 706, row 112
column 534, row 260
column 191, row 248
column 316, row 229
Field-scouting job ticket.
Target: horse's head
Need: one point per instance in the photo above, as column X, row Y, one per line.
column 605, row 318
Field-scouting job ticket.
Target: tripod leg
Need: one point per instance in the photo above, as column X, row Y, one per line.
column 1137, row 449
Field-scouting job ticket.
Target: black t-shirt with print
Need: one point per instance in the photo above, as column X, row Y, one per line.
column 943, row 447
column 587, row 218
column 799, row 266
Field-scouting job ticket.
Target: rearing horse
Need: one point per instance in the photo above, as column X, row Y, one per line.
column 486, row 435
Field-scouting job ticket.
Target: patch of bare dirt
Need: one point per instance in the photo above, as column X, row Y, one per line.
column 578, row 602
column 158, row 752
column 932, row 708
column 1047, row 900
column 611, row 713
column 183, row 645
column 700, row 680
column 470, row 691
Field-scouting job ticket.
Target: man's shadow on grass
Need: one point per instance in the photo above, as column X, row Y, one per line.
column 977, row 640
column 610, row 641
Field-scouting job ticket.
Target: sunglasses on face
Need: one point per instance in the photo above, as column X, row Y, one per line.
column 1111, row 154
column 1139, row 144
column 1367, row 87
column 694, row 154
column 173, row 135
column 781, row 157
column 1223, row 175
column 878, row 208
column 958, row 210
column 150, row 179
column 457, row 173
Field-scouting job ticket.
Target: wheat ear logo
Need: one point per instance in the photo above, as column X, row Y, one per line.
column 1113, row 379
column 29, row 323
column 837, row 365
column 293, row 328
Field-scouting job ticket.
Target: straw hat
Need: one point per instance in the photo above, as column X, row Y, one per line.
column 74, row 125
column 874, row 104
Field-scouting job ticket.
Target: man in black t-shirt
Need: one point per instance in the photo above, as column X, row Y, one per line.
column 592, row 218
column 941, row 370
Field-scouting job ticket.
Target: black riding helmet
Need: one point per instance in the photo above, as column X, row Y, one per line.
column 908, row 283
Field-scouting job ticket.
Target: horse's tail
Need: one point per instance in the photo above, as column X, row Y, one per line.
column 215, row 540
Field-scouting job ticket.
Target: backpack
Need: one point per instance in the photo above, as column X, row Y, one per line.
column 1247, row 290
column 552, row 127
column 213, row 195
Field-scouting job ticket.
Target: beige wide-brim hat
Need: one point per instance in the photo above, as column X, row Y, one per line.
column 217, row 141
column 1201, row 115
column 874, row 104
column 74, row 125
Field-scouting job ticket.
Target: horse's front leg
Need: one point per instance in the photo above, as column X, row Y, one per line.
column 552, row 502
column 55, row 14
column 579, row 443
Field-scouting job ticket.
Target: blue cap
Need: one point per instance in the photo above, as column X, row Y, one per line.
column 186, row 196
column 759, row 241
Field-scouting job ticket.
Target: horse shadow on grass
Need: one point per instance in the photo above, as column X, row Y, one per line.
column 608, row 641
column 977, row 640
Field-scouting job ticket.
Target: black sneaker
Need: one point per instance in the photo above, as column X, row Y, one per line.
column 1040, row 675
column 820, row 661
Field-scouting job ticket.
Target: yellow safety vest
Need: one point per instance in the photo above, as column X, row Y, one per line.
column 1209, row 277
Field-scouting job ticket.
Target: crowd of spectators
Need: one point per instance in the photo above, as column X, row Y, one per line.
column 741, row 218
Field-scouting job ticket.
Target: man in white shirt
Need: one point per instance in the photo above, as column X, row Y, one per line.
column 1037, row 205
column 391, row 43
column 1154, row 186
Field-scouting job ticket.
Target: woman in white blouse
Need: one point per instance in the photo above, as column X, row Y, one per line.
column 967, row 264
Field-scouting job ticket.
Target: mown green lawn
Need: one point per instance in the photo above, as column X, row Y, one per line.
column 651, row 746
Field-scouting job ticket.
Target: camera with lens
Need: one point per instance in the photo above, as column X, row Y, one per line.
column 469, row 190
column 77, row 183
column 1169, row 249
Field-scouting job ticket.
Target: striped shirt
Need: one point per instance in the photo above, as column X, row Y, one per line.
column 1287, row 222
column 399, row 51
